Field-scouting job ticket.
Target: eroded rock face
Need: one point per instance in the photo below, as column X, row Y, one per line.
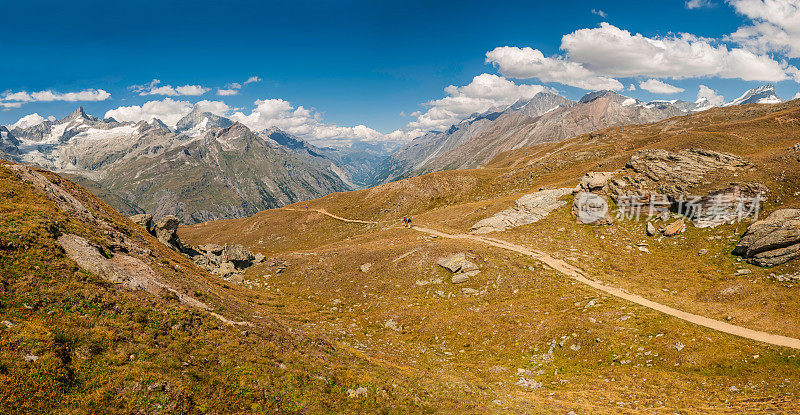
column 772, row 241
column 656, row 182
column 144, row 220
column 227, row 261
column 166, row 230
column 526, row 210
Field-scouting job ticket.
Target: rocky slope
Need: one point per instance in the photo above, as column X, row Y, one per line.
column 97, row 315
column 226, row 173
column 544, row 118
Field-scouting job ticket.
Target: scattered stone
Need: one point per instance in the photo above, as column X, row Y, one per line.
column 679, row 346
column 744, row 272
column 366, row 267
column 651, row 229
column 772, row 241
column 470, row 291
column 456, row 262
column 526, row 210
column 702, row 252
column 643, row 249
column 8, row 324
column 674, row 228
column 354, row 393
column 529, row 383
column 30, row 358
column 498, row 369
column 259, row 258
column 391, row 324
column 791, row 278
column 459, row 279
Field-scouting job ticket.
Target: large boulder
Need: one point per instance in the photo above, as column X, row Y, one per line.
column 238, row 255
column 592, row 209
column 595, row 181
column 144, row 220
column 527, row 209
column 166, row 230
column 772, row 241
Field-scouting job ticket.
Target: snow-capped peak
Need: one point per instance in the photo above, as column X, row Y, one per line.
column 764, row 94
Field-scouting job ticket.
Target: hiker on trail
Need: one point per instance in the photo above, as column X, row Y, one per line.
column 405, row 221
column 306, row 207
column 408, row 222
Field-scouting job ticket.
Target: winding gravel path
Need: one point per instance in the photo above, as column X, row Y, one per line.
column 578, row 275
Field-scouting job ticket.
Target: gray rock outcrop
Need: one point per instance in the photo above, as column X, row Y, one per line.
column 772, row 241
column 228, row 261
column 526, row 210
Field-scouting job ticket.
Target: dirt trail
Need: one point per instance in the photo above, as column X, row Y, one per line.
column 578, row 275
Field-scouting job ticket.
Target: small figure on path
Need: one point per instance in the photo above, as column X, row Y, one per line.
column 408, row 223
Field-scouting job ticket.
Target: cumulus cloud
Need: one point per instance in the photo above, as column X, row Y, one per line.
column 167, row 110
column 775, row 27
column 658, row 87
column 611, row 51
column 304, row 123
column 154, row 87
column 227, row 92
column 484, row 92
column 698, row 4
column 252, row 79
column 707, row 94
column 49, row 96
column 8, row 105
column 525, row 63
column 600, row 13
column 30, row 120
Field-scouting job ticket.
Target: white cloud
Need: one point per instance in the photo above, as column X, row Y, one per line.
column 29, row 121
column 698, row 4
column 485, row 92
column 797, row 95
column 167, row 110
column 611, row 51
column 8, row 105
column 227, row 92
column 775, row 27
column 252, row 79
column 153, row 88
column 305, row 123
column 631, row 87
column 600, row 13
column 525, row 63
column 713, row 98
column 49, row 96
column 234, row 85
column 657, row 87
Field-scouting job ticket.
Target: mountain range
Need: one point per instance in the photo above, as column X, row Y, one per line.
column 209, row 167
column 546, row 117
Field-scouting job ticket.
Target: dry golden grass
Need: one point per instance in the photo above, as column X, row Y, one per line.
column 391, row 312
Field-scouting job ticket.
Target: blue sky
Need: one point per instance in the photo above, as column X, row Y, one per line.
column 371, row 63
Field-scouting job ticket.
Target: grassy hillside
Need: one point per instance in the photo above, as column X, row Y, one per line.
column 73, row 342
column 520, row 320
